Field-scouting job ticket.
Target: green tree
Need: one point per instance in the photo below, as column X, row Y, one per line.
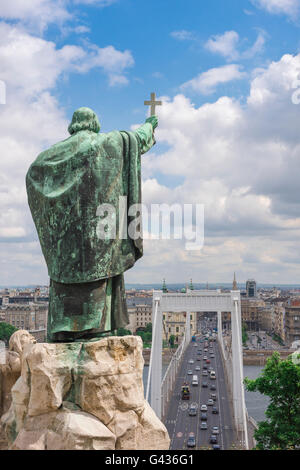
column 148, row 328
column 280, row 381
column 148, row 336
column 172, row 341
column 6, row 330
column 244, row 335
column 141, row 334
column 123, row 332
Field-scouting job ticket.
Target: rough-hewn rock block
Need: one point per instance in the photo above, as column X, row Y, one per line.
column 83, row 396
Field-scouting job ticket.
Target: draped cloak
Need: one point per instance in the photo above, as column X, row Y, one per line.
column 65, row 186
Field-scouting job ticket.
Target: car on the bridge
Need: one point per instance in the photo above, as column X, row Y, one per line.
column 213, row 439
column 204, row 384
column 215, row 410
column 216, row 447
column 204, row 358
column 203, row 426
column 197, row 368
column 189, row 372
column 185, row 392
column 192, row 410
column 199, row 353
column 213, row 396
column 191, row 361
column 204, row 367
column 198, row 358
column 215, row 430
column 203, row 417
column 204, row 373
column 210, row 402
column 203, row 408
column 207, row 361
column 191, row 442
column 213, row 387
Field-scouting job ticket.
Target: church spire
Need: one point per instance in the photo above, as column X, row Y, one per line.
column 234, row 284
column 164, row 287
column 191, row 285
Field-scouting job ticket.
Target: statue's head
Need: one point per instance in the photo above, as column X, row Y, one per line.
column 84, row 119
column 19, row 339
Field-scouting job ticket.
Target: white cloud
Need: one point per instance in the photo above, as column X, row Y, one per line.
column 207, row 82
column 37, row 12
column 113, row 62
column 224, row 44
column 42, row 63
column 81, row 29
column 242, row 162
column 183, row 35
column 290, row 8
column 43, row 12
column 257, row 47
column 227, row 45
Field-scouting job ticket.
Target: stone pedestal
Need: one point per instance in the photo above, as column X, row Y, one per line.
column 83, row 396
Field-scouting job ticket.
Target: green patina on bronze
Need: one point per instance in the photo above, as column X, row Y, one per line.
column 65, row 186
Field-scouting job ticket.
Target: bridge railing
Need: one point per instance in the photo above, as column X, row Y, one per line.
column 170, row 376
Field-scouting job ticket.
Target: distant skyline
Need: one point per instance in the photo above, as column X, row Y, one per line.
column 178, row 285
column 228, row 74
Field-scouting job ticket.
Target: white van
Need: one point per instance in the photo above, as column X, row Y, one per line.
column 213, row 375
column 195, row 380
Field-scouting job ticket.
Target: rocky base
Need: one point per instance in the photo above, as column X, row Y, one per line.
column 83, row 396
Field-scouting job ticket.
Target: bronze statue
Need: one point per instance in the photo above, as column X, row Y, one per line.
column 66, row 185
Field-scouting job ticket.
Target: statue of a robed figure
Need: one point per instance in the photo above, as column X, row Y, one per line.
column 66, row 184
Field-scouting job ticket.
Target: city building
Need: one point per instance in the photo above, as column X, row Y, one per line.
column 266, row 318
column 132, row 320
column 251, row 313
column 279, row 321
column 251, row 288
column 174, row 324
column 139, row 312
column 31, row 317
column 292, row 321
column 226, row 320
column 143, row 315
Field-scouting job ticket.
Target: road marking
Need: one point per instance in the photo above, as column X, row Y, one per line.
column 183, row 407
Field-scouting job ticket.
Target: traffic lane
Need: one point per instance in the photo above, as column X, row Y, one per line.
column 203, row 436
column 178, row 423
column 212, row 419
column 192, row 423
column 184, row 424
column 225, row 405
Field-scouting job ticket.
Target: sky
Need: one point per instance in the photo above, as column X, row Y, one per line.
column 228, row 134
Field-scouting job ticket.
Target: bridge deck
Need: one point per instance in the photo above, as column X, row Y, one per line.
column 178, row 421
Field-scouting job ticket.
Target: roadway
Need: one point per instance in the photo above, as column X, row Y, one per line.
column 178, row 421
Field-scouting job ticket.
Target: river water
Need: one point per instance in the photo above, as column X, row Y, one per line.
column 255, row 402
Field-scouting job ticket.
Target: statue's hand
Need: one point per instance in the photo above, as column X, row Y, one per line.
column 153, row 121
